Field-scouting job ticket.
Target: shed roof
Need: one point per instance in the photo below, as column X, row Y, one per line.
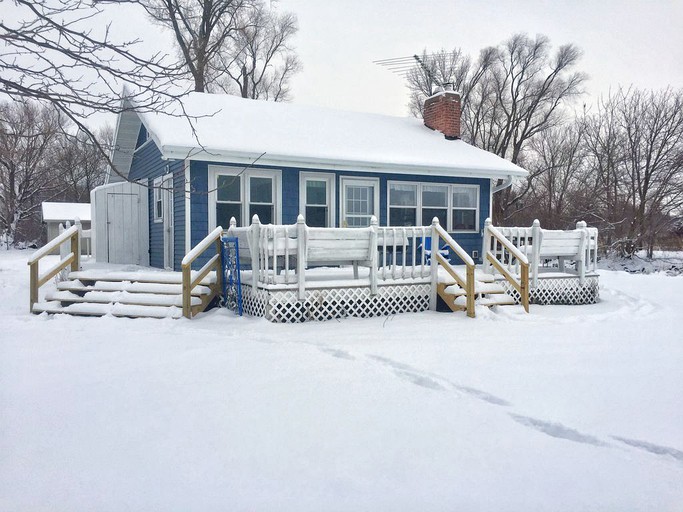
column 230, row 128
column 60, row 212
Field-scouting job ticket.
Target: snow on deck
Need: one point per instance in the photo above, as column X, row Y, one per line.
column 567, row 408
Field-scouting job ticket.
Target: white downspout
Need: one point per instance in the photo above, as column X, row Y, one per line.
column 506, row 183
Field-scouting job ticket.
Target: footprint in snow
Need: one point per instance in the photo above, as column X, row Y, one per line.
column 334, row 352
column 436, row 382
column 652, row 448
column 557, row 430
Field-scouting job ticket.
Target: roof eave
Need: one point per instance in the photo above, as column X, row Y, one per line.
column 247, row 158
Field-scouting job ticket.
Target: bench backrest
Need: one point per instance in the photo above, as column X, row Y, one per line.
column 562, row 243
column 338, row 244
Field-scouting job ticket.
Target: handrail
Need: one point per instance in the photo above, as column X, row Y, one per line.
column 439, row 233
column 214, row 263
column 521, row 285
column 73, row 258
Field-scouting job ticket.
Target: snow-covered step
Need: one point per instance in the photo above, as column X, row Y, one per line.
column 141, row 277
column 127, row 286
column 491, row 300
column 479, row 288
column 461, row 270
column 102, row 297
column 122, row 310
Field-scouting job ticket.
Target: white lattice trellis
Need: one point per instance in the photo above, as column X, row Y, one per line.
column 560, row 290
column 325, row 304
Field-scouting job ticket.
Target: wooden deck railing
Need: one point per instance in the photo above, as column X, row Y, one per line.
column 507, row 259
column 72, row 258
column 438, row 234
column 193, row 278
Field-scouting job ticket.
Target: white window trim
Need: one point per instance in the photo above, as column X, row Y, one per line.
column 331, row 193
column 156, row 198
column 449, row 203
column 358, row 181
column 452, row 208
column 225, row 170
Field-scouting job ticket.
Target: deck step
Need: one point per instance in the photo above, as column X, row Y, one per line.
column 119, row 310
column 78, row 286
column 101, row 297
column 479, row 288
column 160, row 277
column 488, row 301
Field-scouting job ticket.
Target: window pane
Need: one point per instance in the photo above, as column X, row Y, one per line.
column 464, row 220
column 428, row 215
column 264, row 212
column 261, row 190
column 224, row 211
column 434, row 195
column 464, row 197
column 316, row 192
column 402, row 216
column 316, row 216
column 229, row 188
column 402, row 195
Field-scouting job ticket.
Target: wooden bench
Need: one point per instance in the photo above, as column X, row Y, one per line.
column 561, row 245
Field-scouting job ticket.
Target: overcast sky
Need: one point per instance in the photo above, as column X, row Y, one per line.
column 624, row 42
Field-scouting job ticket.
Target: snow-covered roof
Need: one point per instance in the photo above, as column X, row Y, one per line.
column 230, row 128
column 66, row 211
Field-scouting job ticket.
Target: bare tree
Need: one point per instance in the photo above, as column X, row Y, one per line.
column 56, row 52
column 201, row 29
column 260, row 61
column 79, row 165
column 28, row 131
column 435, row 70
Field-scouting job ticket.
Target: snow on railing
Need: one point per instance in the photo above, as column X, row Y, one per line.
column 280, row 254
column 72, row 257
column 539, row 245
column 192, row 279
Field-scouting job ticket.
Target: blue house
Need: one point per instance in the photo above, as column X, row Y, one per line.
column 234, row 157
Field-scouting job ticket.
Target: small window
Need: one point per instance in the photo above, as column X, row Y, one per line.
column 465, row 206
column 228, row 199
column 158, row 204
column 435, row 204
column 317, row 211
column 261, row 199
column 402, row 204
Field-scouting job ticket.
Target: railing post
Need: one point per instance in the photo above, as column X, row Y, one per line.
column 301, row 256
column 219, row 264
column 187, row 295
column 485, row 263
column 76, row 246
column 373, row 255
column 524, row 285
column 583, row 250
column 536, row 241
column 469, row 289
column 434, row 265
column 33, row 286
column 255, row 252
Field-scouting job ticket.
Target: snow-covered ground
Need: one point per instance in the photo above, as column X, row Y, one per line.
column 567, row 408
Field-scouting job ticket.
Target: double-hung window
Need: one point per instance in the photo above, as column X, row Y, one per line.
column 416, row 204
column 465, row 206
column 360, row 201
column 242, row 194
column 316, row 204
column 157, row 200
column 402, row 204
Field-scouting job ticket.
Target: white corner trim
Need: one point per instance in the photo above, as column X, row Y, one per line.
column 188, row 199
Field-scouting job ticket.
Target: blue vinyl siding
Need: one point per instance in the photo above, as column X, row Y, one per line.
column 147, row 164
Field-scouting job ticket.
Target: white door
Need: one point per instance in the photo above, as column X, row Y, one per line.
column 122, row 223
column 167, row 204
column 359, row 201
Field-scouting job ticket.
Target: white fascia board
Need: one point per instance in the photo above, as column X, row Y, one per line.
column 181, row 153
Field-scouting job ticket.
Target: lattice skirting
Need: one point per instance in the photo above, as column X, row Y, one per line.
column 325, row 304
column 560, row 290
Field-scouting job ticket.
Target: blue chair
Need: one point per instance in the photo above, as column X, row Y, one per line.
column 426, row 247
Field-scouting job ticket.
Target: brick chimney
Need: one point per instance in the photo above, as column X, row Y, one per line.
column 442, row 112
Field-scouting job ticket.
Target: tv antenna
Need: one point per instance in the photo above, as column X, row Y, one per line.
column 403, row 66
